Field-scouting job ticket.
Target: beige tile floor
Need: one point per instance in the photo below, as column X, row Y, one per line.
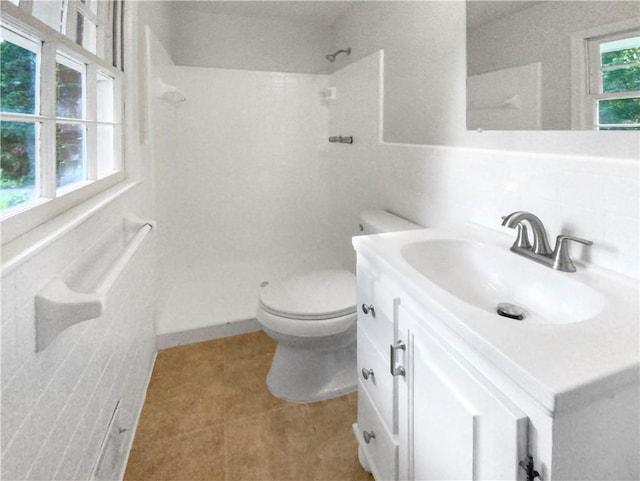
column 209, row 416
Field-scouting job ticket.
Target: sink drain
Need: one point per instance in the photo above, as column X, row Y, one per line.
column 512, row 311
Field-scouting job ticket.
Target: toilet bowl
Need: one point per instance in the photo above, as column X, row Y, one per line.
column 312, row 317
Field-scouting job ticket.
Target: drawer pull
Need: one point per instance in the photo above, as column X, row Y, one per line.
column 366, row 309
column 366, row 373
column 368, row 436
column 394, row 367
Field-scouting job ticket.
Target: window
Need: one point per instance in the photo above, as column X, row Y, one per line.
column 60, row 107
column 19, row 87
column 615, row 82
column 608, row 95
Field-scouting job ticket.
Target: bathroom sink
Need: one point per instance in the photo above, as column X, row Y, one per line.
column 485, row 275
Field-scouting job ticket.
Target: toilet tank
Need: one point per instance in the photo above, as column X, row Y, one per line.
column 378, row 221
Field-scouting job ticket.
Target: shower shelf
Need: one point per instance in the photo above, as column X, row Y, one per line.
column 59, row 305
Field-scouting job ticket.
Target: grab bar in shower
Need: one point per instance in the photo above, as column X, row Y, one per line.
column 58, row 306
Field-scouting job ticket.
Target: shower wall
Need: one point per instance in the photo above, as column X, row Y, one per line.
column 243, row 179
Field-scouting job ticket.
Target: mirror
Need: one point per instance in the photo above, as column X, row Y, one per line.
column 553, row 65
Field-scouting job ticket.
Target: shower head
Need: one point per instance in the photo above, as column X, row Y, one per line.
column 332, row 56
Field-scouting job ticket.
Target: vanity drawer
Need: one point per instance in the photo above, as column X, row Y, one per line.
column 379, row 385
column 378, row 322
column 381, row 450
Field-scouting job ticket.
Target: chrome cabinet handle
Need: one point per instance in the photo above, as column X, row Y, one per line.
column 366, row 373
column 394, row 367
column 366, row 309
column 368, row 436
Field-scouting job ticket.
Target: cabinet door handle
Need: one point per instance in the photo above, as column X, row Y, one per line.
column 366, row 373
column 368, row 436
column 394, row 367
column 366, row 309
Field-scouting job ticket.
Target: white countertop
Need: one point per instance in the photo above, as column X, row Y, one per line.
column 559, row 365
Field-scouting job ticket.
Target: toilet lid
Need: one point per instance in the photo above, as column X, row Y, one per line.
column 314, row 295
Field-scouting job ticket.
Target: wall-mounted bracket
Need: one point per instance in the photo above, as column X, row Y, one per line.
column 58, row 307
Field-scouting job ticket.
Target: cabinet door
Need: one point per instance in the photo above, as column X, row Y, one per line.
column 453, row 423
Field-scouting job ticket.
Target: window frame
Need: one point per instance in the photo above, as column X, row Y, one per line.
column 53, row 201
column 585, row 77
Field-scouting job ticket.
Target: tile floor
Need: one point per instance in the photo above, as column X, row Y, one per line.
column 209, row 416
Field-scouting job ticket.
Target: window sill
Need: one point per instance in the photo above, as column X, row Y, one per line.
column 20, row 248
column 19, row 222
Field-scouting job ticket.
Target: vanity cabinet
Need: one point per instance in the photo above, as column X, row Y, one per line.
column 453, row 423
column 432, row 406
column 436, row 418
column 448, row 389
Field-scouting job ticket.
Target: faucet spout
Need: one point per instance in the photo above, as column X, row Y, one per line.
column 540, row 242
column 540, row 251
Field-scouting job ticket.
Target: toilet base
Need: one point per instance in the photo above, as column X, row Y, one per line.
column 309, row 375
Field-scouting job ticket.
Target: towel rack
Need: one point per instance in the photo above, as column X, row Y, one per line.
column 58, row 307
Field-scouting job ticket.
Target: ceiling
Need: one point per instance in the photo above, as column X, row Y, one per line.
column 480, row 12
column 316, row 12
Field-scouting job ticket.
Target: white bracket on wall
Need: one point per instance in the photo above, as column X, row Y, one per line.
column 58, row 306
column 163, row 90
column 330, row 93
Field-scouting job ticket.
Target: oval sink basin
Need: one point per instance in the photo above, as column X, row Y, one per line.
column 485, row 275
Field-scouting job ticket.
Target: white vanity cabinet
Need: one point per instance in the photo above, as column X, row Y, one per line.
column 377, row 426
column 448, row 413
column 454, row 423
column 451, row 391
column 436, row 418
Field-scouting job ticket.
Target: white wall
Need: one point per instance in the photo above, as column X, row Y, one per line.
column 425, row 82
column 56, row 404
column 242, row 189
column 424, row 62
column 590, row 197
column 239, row 204
column 542, row 33
column 201, row 38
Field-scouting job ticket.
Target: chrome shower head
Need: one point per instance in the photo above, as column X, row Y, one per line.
column 332, row 56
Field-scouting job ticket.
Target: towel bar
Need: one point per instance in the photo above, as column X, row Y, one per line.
column 58, row 307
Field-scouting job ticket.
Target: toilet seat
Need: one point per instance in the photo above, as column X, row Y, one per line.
column 317, row 295
column 318, row 303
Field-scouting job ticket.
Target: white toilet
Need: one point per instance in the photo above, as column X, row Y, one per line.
column 313, row 318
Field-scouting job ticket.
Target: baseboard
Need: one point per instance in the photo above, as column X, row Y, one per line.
column 172, row 339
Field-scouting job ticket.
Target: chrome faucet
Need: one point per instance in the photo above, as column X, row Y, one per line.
column 540, row 251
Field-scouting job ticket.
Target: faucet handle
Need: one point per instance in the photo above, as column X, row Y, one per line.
column 561, row 259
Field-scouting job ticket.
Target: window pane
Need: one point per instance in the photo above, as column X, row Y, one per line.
column 50, row 12
column 18, row 163
column 620, row 52
column 86, row 33
column 621, row 79
column 105, row 98
column 70, row 154
column 106, row 150
column 619, row 111
column 18, row 85
column 69, row 88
